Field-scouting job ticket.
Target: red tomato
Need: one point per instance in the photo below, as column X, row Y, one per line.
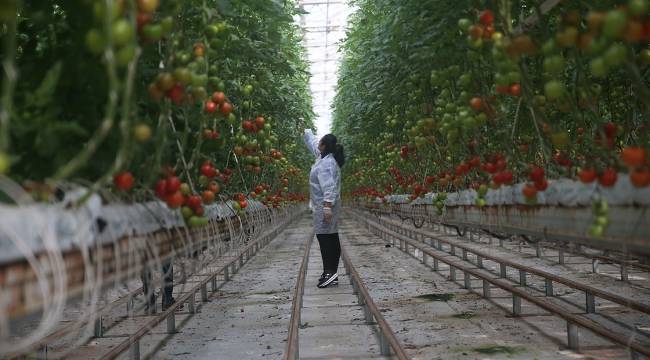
column 208, row 197
column 176, row 94
column 208, row 170
column 243, row 204
column 173, row 184
column 476, row 103
column 174, row 200
column 226, row 108
column 608, row 177
column 634, row 156
column 219, row 97
column 161, row 188
column 430, row 179
column 123, row 181
column 541, row 185
column 194, row 202
column 610, row 129
column 640, row 178
column 259, row 122
column 515, row 89
column 529, row 191
column 587, row 175
column 486, row 17
column 536, row 173
column 210, row 107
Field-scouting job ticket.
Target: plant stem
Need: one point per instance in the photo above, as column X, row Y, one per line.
column 11, row 75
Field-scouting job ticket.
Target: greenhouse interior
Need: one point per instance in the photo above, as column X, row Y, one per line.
column 325, row 179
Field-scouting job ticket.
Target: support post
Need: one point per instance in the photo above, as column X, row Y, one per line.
column 384, row 347
column 452, row 273
column 191, row 305
column 502, row 269
column 134, row 350
column 516, row 305
column 204, row 293
column 595, row 264
column 560, row 256
column 214, row 283
column 572, row 335
column 436, row 266
column 590, row 303
column 171, row 323
column 99, row 327
column 548, row 285
column 522, row 278
column 467, row 280
column 486, row 289
column 226, row 276
column 465, row 254
column 624, row 275
column 479, row 262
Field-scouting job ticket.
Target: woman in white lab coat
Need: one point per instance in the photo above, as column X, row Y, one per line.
column 325, row 197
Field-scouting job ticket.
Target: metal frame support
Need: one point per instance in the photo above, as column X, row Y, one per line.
column 130, row 305
column 595, row 264
column 560, row 256
column 453, row 250
column 384, row 346
column 213, row 282
column 538, row 250
column 467, row 281
column 465, row 254
column 367, row 314
column 572, row 335
column 624, row 274
column 479, row 262
column 204, row 292
column 452, row 273
column 486, row 289
column 425, row 259
column 99, row 327
column 226, row 276
column 436, row 266
column 134, row 350
column 522, row 278
column 502, row 270
column 548, row 285
column 516, row 305
column 191, row 304
column 590, row 303
column 183, row 273
column 171, row 323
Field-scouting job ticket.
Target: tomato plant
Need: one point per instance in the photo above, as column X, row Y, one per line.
column 156, row 89
column 449, row 96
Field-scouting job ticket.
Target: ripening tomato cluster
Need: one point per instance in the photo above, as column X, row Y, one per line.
column 122, row 34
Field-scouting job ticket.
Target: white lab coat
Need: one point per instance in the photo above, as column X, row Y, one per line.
column 324, row 186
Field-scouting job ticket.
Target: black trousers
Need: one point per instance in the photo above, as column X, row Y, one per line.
column 330, row 251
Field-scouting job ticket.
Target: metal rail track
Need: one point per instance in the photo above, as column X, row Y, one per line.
column 388, row 342
column 624, row 264
column 132, row 342
column 231, row 265
column 590, row 292
column 71, row 328
column 573, row 321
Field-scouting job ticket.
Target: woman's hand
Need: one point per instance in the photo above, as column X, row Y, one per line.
column 327, row 214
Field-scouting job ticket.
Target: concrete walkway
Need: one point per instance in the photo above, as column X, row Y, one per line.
column 248, row 318
column 333, row 325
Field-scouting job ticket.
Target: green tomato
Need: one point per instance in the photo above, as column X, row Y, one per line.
column 554, row 65
column 124, row 55
column 186, row 212
column 638, row 7
column 615, row 55
column 95, row 42
column 185, row 189
column 231, row 119
column 596, row 231
column 4, row 163
column 464, row 24
column 152, row 32
column 167, row 24
column 602, row 221
column 183, row 75
column 614, row 24
column 121, row 32
column 598, row 67
column 644, row 57
column 554, row 89
column 248, row 90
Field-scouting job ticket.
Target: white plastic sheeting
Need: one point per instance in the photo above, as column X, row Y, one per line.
column 29, row 229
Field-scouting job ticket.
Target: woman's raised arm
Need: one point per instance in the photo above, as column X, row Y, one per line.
column 312, row 142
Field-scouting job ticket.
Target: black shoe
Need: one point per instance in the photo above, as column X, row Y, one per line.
column 328, row 280
column 166, row 305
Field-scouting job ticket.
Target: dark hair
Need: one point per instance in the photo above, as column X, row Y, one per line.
column 331, row 147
